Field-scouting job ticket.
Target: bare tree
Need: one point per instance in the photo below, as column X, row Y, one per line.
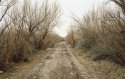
column 102, row 31
column 9, row 4
column 25, row 28
column 120, row 3
column 51, row 17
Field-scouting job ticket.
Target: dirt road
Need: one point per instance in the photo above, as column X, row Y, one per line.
column 60, row 64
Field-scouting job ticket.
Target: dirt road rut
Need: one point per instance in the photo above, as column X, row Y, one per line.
column 61, row 64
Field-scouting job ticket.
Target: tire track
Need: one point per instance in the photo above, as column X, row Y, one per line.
column 61, row 64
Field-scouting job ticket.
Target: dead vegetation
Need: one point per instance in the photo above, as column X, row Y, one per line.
column 102, row 31
column 24, row 28
column 101, row 69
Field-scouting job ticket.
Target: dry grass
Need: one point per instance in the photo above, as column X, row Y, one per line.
column 101, row 69
column 102, row 32
column 20, row 68
column 25, row 30
column 100, row 36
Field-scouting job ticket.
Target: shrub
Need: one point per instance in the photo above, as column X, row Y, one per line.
column 102, row 32
column 26, row 29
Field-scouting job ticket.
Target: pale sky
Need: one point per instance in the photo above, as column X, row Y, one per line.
column 77, row 7
column 72, row 7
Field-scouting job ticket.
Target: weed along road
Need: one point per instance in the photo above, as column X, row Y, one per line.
column 60, row 64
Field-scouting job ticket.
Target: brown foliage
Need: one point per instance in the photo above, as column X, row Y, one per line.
column 26, row 29
column 102, row 32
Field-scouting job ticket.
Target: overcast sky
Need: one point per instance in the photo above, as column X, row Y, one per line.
column 76, row 7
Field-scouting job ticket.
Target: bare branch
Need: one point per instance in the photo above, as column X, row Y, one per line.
column 10, row 4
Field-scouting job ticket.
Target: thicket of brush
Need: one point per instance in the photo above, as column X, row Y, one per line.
column 102, row 32
column 25, row 28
